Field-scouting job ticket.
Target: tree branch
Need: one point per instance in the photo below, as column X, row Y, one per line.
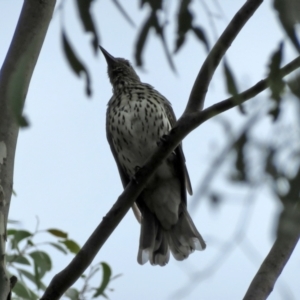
column 15, row 76
column 199, row 90
column 271, row 268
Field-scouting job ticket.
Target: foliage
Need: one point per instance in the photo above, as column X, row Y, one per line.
column 29, row 259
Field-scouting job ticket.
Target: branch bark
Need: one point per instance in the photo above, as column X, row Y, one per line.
column 280, row 253
column 199, row 90
column 15, row 77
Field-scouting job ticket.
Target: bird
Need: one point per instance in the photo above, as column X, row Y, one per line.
column 137, row 119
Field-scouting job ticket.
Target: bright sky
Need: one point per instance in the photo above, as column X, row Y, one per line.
column 66, row 175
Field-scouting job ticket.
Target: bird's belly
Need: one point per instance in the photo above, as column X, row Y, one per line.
column 136, row 129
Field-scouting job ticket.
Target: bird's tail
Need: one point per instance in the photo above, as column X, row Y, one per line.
column 155, row 242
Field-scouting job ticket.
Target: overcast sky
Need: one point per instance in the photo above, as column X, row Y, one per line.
column 66, row 175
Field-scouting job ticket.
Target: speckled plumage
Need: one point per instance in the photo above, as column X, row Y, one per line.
column 137, row 117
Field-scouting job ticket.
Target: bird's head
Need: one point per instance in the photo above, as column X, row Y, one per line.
column 120, row 71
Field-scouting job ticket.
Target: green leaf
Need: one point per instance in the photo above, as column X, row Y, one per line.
column 21, row 260
column 123, row 12
column 58, row 233
column 72, row 293
column 28, row 275
column 87, row 20
column 42, row 264
column 15, row 236
column 32, row 278
column 200, row 33
column 105, row 280
column 59, row 247
column 141, row 40
column 288, row 13
column 71, row 245
column 275, row 81
column 21, row 235
column 11, row 231
column 24, row 292
column 240, row 173
column 76, row 65
column 232, row 87
column 184, row 23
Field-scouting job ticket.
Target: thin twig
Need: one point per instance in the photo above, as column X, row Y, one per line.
column 199, row 90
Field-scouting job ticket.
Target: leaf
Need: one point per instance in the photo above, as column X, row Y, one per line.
column 288, row 13
column 42, row 264
column 27, row 275
column 72, row 293
column 87, row 20
column 154, row 4
column 275, row 81
column 160, row 31
column 58, row 233
column 142, row 37
column 59, row 247
column 71, row 245
column 270, row 166
column 17, row 259
column 123, row 12
column 21, row 260
column 232, row 87
column 215, row 199
column 22, row 291
column 11, row 232
column 294, row 85
column 105, row 280
column 17, row 236
column 21, row 235
column 240, row 162
column 32, row 278
column 184, row 24
column 76, row 65
column 199, row 32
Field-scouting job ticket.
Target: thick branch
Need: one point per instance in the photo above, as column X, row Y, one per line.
column 271, row 268
column 15, row 77
column 199, row 90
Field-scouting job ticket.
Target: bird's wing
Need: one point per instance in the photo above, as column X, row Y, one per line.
column 178, row 150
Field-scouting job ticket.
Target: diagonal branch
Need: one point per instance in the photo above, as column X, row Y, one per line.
column 271, row 268
column 199, row 90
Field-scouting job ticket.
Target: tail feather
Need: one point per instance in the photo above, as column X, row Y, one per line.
column 149, row 228
column 184, row 237
column 155, row 242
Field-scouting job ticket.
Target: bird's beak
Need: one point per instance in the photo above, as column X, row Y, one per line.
column 109, row 58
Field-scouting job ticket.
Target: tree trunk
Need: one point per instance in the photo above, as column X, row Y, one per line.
column 15, row 77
